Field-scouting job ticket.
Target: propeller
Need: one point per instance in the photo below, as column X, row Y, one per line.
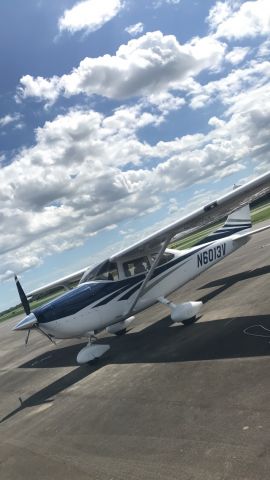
column 22, row 296
column 25, row 303
column 45, row 334
column 26, row 307
column 27, row 337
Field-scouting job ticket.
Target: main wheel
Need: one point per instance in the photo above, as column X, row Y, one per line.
column 121, row 332
column 92, row 362
column 189, row 321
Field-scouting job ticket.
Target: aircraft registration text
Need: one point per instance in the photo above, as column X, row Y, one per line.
column 211, row 255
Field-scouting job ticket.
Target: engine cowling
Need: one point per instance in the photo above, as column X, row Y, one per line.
column 185, row 311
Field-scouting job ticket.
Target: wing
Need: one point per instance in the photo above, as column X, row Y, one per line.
column 202, row 217
column 193, row 222
column 64, row 282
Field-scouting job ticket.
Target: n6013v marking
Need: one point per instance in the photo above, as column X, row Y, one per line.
column 211, row 255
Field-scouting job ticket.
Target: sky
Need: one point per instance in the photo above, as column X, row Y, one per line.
column 118, row 117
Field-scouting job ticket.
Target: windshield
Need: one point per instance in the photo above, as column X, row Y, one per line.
column 104, row 271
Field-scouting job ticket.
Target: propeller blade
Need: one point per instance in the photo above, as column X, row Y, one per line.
column 45, row 334
column 22, row 296
column 27, row 337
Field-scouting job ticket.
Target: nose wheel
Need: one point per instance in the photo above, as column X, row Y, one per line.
column 91, row 351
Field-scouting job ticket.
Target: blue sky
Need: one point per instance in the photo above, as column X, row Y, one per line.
column 119, row 116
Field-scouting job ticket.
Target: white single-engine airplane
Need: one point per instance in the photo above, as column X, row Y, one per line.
column 109, row 295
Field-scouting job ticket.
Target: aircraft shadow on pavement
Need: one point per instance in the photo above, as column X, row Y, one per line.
column 158, row 343
column 226, row 282
column 217, row 339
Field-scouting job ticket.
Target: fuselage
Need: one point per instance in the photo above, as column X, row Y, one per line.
column 96, row 304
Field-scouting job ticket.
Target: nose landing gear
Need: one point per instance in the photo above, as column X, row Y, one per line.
column 91, row 351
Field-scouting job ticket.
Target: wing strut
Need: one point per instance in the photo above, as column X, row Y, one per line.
column 149, row 274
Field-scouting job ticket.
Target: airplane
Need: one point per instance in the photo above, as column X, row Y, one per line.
column 109, row 295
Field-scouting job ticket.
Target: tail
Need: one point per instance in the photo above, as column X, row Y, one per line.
column 237, row 221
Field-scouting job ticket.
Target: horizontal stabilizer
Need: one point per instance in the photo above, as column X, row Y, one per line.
column 250, row 232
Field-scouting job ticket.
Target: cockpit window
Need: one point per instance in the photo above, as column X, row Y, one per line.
column 166, row 257
column 104, row 271
column 136, row 266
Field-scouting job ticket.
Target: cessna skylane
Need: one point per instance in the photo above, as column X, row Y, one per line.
column 110, row 294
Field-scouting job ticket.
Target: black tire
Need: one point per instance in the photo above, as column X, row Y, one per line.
column 121, row 332
column 92, row 362
column 189, row 321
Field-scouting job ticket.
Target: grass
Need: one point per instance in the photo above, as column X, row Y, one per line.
column 259, row 214
column 18, row 310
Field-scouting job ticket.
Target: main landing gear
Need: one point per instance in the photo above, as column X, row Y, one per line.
column 186, row 313
column 189, row 321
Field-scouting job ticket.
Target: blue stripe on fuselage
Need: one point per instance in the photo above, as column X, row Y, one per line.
column 79, row 298
column 87, row 294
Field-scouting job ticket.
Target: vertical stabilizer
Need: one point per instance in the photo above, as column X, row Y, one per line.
column 237, row 221
column 240, row 218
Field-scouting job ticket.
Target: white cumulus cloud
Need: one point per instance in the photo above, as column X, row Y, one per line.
column 9, row 118
column 159, row 3
column 234, row 21
column 237, row 55
column 220, row 12
column 89, row 15
column 146, row 65
column 226, row 89
column 88, row 171
column 135, row 29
